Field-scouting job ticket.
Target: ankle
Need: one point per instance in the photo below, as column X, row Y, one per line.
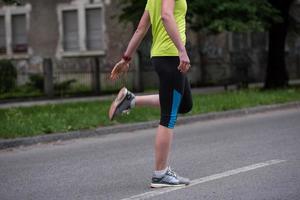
column 132, row 103
column 160, row 173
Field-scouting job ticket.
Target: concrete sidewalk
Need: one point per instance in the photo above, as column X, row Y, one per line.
column 205, row 90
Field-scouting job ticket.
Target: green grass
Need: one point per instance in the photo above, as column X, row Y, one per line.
column 37, row 120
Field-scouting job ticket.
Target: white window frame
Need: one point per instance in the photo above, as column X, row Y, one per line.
column 8, row 12
column 2, row 14
column 81, row 8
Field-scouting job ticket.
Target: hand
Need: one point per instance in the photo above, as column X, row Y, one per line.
column 119, row 69
column 184, row 65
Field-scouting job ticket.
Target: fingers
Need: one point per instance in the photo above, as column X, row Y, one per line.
column 113, row 74
column 116, row 71
column 119, row 69
column 184, row 66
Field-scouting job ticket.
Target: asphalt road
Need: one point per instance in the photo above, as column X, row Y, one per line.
column 253, row 157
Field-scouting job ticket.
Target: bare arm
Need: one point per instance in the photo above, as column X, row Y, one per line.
column 139, row 34
column 123, row 65
column 168, row 19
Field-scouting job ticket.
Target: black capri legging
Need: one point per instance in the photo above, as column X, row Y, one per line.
column 174, row 89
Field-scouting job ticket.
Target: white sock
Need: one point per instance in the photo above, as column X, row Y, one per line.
column 160, row 173
column 132, row 103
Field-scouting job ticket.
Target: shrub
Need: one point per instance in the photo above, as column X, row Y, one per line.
column 64, row 86
column 36, row 81
column 8, row 76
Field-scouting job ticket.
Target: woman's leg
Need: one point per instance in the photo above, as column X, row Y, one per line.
column 170, row 93
column 164, row 135
column 163, row 142
column 147, row 100
column 126, row 100
column 171, row 89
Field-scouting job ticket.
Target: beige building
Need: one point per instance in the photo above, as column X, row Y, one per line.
column 73, row 33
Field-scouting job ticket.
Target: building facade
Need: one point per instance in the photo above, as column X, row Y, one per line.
column 75, row 33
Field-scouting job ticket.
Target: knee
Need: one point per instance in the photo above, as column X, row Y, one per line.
column 168, row 121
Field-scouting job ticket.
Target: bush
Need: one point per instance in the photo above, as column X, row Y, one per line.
column 8, row 76
column 22, row 91
column 36, row 81
column 64, row 86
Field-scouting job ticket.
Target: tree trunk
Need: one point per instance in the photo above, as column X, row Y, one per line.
column 276, row 74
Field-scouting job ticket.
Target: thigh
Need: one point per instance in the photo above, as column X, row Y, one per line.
column 170, row 78
column 171, row 88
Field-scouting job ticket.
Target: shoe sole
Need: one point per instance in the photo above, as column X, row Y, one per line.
column 121, row 96
column 160, row 185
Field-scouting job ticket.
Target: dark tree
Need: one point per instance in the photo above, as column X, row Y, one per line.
column 215, row 15
column 276, row 74
column 11, row 1
column 132, row 10
column 237, row 16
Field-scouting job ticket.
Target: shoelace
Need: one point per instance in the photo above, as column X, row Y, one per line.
column 171, row 173
column 127, row 111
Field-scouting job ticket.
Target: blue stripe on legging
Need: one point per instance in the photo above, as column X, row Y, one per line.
column 175, row 105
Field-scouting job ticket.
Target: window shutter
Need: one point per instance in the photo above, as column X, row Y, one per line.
column 2, row 36
column 94, row 29
column 19, row 33
column 70, row 29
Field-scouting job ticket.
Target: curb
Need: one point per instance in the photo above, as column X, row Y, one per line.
column 11, row 143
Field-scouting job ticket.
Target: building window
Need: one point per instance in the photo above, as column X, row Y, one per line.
column 2, row 36
column 81, row 29
column 14, row 26
column 94, row 29
column 70, row 29
column 19, row 33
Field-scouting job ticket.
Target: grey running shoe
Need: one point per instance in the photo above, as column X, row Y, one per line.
column 122, row 104
column 170, row 179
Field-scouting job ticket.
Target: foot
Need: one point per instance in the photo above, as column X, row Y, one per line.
column 122, row 104
column 169, row 179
